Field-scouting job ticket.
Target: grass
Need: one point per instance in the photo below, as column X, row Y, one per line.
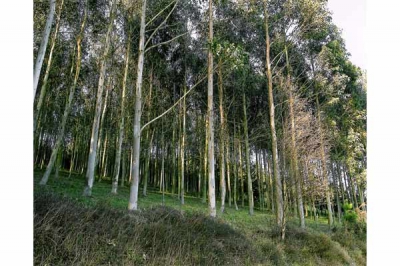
column 101, row 232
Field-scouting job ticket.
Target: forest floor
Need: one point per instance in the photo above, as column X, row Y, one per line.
column 234, row 238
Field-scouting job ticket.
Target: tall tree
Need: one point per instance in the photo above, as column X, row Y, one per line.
column 210, row 115
column 96, row 120
column 277, row 178
column 122, row 120
column 133, row 196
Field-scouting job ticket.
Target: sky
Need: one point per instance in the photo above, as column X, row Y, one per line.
column 349, row 15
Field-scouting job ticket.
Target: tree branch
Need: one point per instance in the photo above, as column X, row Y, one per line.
column 162, row 43
column 162, row 23
column 159, row 13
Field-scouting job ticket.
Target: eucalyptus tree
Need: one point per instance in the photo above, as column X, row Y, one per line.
column 122, row 113
column 143, row 47
column 210, row 115
column 96, row 120
column 276, row 169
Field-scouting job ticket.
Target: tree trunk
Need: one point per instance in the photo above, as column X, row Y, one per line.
column 121, row 124
column 299, row 197
column 205, row 161
column 221, row 137
column 183, row 146
column 96, row 120
column 147, row 172
column 210, row 115
column 235, row 198
column 138, row 112
column 277, row 177
column 123, row 175
column 248, row 166
column 324, row 170
column 43, row 46
column 228, row 168
column 100, row 138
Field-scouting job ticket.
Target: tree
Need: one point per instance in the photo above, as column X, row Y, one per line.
column 277, row 179
column 210, row 115
column 133, row 196
column 96, row 119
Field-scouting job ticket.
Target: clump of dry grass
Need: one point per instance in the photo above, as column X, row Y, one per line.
column 66, row 233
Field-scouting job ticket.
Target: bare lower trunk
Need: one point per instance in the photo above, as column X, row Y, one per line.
column 121, row 125
column 147, row 173
column 43, row 46
column 295, row 167
column 96, row 120
column 324, row 170
column 277, row 177
column 204, row 197
column 235, row 168
column 183, row 148
column 248, row 166
column 123, row 169
column 221, row 138
column 210, row 115
column 133, row 196
column 240, row 172
column 228, row 171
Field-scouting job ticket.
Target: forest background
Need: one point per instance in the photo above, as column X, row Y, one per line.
column 16, row 138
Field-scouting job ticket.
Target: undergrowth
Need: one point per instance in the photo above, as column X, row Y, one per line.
column 73, row 230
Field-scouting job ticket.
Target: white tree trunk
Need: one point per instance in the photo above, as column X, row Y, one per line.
column 43, row 46
column 210, row 135
column 133, row 196
column 96, row 120
column 121, row 125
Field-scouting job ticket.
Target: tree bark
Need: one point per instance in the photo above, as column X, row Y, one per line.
column 221, row 137
column 133, row 197
column 205, row 161
column 210, row 115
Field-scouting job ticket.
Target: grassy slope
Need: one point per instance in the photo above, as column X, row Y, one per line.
column 256, row 234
